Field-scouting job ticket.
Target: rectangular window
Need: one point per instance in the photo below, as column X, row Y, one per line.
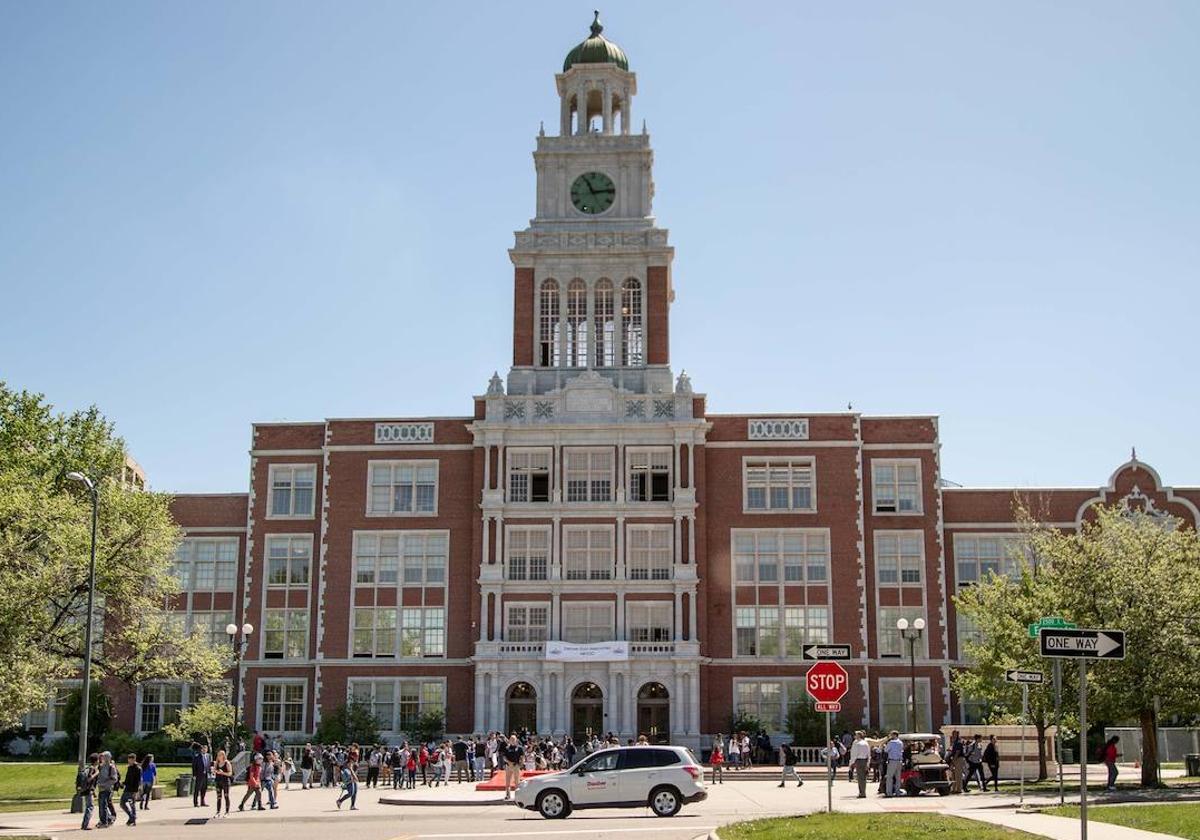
column 403, row 487
column 425, row 556
column 895, row 704
column 793, row 555
column 423, row 631
column 377, row 695
column 206, row 564
column 586, row 623
column 285, row 634
column 778, row 485
column 589, row 474
column 211, row 626
column 288, row 560
column 897, row 486
column 528, row 553
column 281, row 708
column 651, row 550
column 292, row 491
column 977, row 556
column 526, row 623
column 758, row 631
column 890, row 642
column 587, row 552
column 649, row 474
column 649, row 621
column 161, row 704
column 376, row 559
column 763, row 700
column 804, row 626
column 899, row 557
column 398, row 704
column 528, row 475
column 374, row 632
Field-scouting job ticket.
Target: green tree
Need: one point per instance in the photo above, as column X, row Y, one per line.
column 45, row 532
column 807, row 726
column 430, row 726
column 1139, row 572
column 203, row 721
column 99, row 717
column 352, row 722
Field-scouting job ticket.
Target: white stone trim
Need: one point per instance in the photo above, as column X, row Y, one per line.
column 777, row 428
column 404, row 432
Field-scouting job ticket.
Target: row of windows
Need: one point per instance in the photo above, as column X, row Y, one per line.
column 586, row 329
column 769, row 485
column 770, row 700
column 583, row 623
column 387, row 632
column 588, row 552
column 398, row 704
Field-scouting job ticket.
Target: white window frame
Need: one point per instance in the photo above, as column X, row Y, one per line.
column 641, row 625
column 377, row 632
column 1007, row 563
column 50, row 714
column 284, row 683
column 571, row 452
column 653, row 571
column 791, row 692
column 293, row 513
column 607, row 629
column 431, row 574
column 370, row 563
column 896, row 464
column 215, row 622
column 607, row 572
column 781, row 565
column 528, row 469
column 291, row 539
column 190, row 547
column 393, row 464
column 896, row 563
column 750, row 462
column 516, row 534
column 641, row 459
column 395, row 725
column 904, row 686
column 885, row 627
column 526, row 606
column 140, row 703
column 289, row 631
column 432, row 633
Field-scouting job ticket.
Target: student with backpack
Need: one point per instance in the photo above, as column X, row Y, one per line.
column 349, row 786
column 107, row 780
column 787, row 760
column 85, row 786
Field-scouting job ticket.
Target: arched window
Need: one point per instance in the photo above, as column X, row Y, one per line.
column 605, row 329
column 548, row 343
column 631, row 322
column 577, row 324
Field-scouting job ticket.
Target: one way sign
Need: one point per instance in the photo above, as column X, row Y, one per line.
column 835, row 652
column 1077, row 643
column 1026, row 677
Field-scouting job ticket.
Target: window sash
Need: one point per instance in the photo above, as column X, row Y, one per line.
column 649, row 474
column 779, row 485
column 650, row 621
column 890, row 643
column 588, row 553
column 790, row 556
column 403, row 487
column 897, row 486
column 587, row 623
column 650, row 552
column 282, row 707
column 528, row 553
column 589, row 474
column 899, row 558
column 285, row 633
column 526, row 623
column 528, row 475
column 289, row 560
column 292, row 490
column 206, row 564
column 423, row 632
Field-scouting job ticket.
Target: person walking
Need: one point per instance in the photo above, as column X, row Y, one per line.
column 1109, row 755
column 131, row 788
column 149, row 777
column 974, row 752
column 253, row 785
column 958, row 762
column 734, row 756
column 349, row 777
column 787, row 761
column 894, row 750
column 717, row 760
column 270, row 772
column 991, row 757
column 109, row 777
column 373, row 761
column 222, row 778
column 512, row 755
column 459, row 748
column 201, row 762
column 308, row 762
column 860, row 757
column 85, row 786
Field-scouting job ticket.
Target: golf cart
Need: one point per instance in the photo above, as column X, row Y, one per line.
column 924, row 768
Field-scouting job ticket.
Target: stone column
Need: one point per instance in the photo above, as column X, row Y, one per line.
column 607, row 108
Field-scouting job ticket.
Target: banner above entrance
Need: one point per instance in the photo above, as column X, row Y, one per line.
column 595, row 652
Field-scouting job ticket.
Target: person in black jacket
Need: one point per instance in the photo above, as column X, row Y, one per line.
column 991, row 757
column 131, row 789
column 201, row 762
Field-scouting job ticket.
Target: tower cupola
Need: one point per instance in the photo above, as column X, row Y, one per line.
column 596, row 49
column 596, row 87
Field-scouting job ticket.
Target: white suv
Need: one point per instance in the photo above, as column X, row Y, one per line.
column 660, row 778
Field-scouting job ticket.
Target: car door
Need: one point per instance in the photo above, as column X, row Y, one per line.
column 597, row 780
column 640, row 771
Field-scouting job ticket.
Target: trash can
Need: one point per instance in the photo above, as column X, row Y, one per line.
column 1068, row 756
column 1192, row 762
column 183, row 785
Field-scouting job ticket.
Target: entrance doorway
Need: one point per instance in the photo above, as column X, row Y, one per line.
column 521, row 707
column 587, row 711
column 654, row 713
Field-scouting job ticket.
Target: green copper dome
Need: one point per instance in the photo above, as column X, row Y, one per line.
column 596, row 50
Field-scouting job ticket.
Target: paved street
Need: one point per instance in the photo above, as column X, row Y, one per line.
column 311, row 815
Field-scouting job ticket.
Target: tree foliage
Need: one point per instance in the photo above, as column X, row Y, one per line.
column 352, row 722
column 45, row 533
column 99, row 717
column 204, row 721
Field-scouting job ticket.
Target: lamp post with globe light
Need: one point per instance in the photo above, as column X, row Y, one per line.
column 85, row 705
column 239, row 640
column 912, row 637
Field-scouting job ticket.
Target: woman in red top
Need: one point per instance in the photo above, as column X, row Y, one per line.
column 253, row 785
column 1109, row 754
column 717, row 760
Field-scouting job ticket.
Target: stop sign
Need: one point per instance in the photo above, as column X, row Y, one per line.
column 827, row 682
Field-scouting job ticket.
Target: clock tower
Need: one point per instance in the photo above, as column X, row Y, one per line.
column 592, row 280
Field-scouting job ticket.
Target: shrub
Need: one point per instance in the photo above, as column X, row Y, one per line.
column 349, row 723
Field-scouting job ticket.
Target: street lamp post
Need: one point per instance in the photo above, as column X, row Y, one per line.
column 87, row 633
column 239, row 644
column 912, row 637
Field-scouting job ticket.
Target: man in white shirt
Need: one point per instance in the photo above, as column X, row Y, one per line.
column 860, row 758
column 894, row 752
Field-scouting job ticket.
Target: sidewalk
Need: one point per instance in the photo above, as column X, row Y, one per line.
column 1058, row 828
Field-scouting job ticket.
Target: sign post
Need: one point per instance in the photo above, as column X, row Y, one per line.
column 827, row 683
column 1025, row 679
column 1075, row 643
column 1034, row 630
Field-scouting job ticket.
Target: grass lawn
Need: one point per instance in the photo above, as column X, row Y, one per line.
column 1096, row 787
column 23, row 781
column 858, row 826
column 1181, row 819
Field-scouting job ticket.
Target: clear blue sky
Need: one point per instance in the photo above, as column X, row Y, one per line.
column 221, row 212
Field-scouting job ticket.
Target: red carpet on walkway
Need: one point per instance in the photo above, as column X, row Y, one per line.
column 497, row 781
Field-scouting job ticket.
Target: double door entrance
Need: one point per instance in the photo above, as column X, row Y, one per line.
column 653, row 715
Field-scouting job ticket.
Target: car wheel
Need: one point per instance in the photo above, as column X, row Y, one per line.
column 553, row 805
column 943, row 791
column 911, row 789
column 665, row 801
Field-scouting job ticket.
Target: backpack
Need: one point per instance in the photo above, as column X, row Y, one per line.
column 1102, row 753
column 85, row 781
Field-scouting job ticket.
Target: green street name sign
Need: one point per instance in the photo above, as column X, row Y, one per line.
column 1052, row 621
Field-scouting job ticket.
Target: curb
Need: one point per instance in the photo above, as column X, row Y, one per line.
column 446, row 803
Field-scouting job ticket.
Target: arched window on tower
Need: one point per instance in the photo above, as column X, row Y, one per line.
column 631, row 322
column 549, row 353
column 577, row 324
column 604, row 331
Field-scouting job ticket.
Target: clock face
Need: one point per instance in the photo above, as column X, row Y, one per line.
column 593, row 192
